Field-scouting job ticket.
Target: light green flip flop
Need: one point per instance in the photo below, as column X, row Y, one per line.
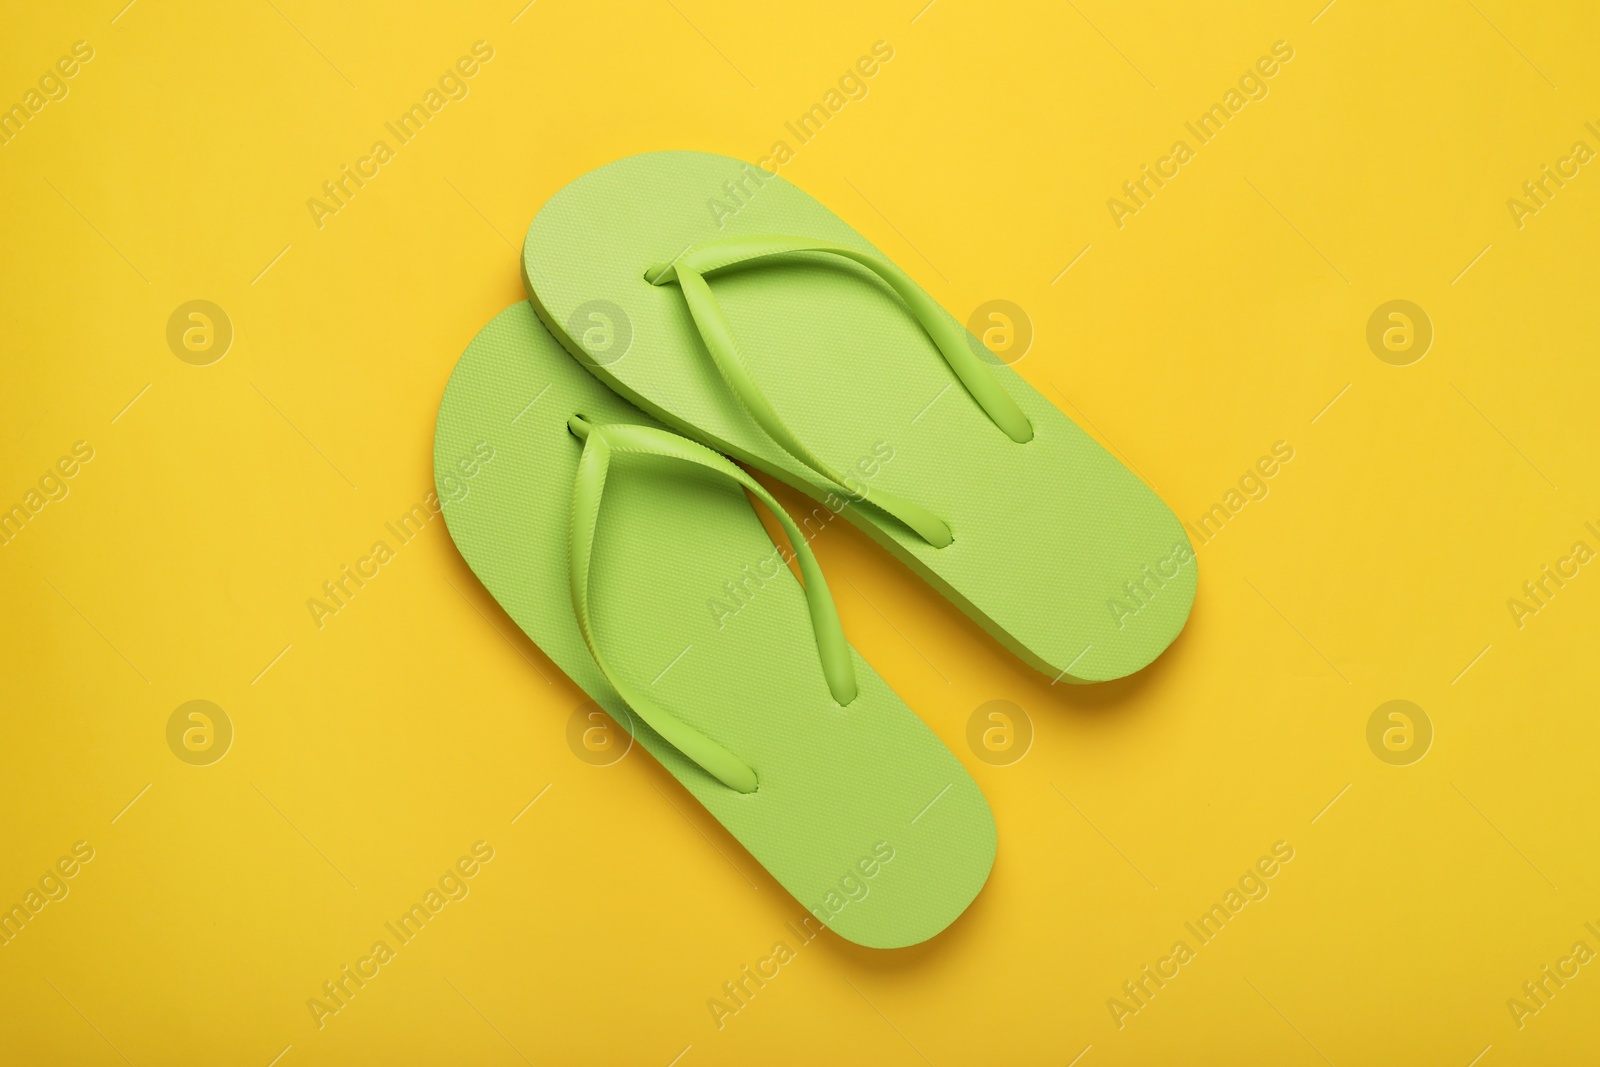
column 814, row 359
column 610, row 541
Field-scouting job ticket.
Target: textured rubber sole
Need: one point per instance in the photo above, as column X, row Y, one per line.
column 1060, row 551
column 862, row 813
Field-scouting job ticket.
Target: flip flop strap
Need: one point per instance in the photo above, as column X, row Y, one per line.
column 600, row 443
column 690, row 270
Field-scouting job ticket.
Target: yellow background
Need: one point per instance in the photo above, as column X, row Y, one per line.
column 1225, row 316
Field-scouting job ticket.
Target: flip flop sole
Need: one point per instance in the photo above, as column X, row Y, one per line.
column 1061, row 553
column 862, row 813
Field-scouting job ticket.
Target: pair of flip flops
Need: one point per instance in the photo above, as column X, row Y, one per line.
column 685, row 308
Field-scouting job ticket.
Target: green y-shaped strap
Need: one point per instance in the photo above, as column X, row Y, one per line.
column 600, row 443
column 690, row 270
